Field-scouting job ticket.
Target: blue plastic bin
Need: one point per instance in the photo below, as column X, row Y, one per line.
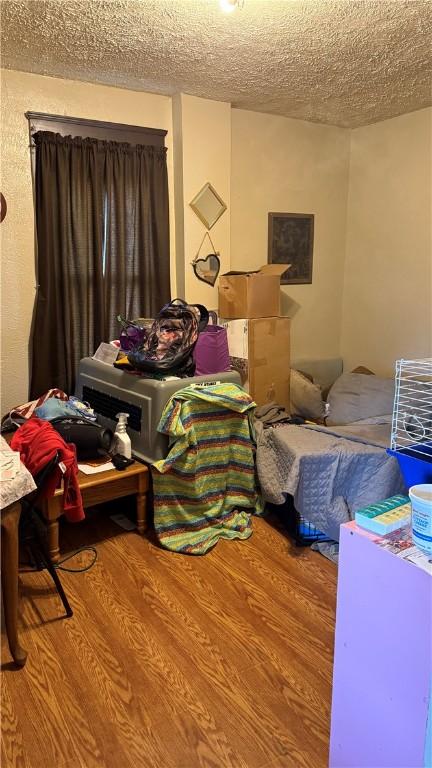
column 416, row 467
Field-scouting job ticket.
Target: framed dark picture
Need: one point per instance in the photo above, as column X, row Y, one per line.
column 290, row 241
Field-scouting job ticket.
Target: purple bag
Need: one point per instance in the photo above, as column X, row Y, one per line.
column 211, row 350
column 133, row 332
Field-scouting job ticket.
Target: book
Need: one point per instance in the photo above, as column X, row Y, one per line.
column 385, row 516
column 94, row 468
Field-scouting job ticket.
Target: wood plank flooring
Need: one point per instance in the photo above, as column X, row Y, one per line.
column 173, row 661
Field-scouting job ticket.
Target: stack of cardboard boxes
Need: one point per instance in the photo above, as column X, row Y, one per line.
column 258, row 337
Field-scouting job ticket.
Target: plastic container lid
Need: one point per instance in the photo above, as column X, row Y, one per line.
column 421, row 492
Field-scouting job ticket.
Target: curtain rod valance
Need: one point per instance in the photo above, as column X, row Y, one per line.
column 96, row 129
column 102, row 145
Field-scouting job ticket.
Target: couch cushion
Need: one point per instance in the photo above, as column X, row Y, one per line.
column 356, row 396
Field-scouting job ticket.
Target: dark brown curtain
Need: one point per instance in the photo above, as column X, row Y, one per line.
column 102, row 248
column 137, row 269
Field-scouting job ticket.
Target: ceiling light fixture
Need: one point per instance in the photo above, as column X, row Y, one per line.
column 228, row 6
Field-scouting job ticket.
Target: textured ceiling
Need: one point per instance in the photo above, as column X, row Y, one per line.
column 342, row 62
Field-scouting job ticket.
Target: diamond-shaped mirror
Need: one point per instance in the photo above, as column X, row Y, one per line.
column 208, row 206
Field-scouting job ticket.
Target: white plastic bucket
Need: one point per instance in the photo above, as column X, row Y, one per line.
column 421, row 503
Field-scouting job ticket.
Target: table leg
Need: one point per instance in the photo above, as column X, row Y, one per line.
column 141, row 512
column 9, row 579
column 52, row 508
column 53, row 540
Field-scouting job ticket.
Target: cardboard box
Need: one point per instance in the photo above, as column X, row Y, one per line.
column 260, row 351
column 251, row 294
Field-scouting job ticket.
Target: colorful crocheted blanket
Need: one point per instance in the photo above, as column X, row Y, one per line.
column 206, row 489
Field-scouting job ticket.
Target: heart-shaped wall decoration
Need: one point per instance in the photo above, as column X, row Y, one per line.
column 207, row 269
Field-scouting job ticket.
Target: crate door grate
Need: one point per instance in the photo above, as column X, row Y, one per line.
column 109, row 406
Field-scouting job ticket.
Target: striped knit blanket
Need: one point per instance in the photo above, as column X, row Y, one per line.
column 205, row 489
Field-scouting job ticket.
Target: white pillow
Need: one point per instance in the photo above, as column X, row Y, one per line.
column 356, row 396
column 305, row 396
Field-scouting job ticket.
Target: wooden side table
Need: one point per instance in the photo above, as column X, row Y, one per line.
column 96, row 489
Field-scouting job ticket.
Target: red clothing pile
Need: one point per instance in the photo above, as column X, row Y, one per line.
column 38, row 442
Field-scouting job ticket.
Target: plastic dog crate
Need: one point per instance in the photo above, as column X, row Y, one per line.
column 109, row 391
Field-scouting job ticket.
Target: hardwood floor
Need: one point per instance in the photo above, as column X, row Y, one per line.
column 173, row 661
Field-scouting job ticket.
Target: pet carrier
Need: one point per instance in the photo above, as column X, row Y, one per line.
column 110, row 391
column 411, row 437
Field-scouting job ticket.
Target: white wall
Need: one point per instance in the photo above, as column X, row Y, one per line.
column 205, row 156
column 387, row 300
column 285, row 165
column 22, row 92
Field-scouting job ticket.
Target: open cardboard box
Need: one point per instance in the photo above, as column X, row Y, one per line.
column 251, row 294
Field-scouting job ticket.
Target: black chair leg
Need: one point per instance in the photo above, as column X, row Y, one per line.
column 42, row 558
column 53, row 572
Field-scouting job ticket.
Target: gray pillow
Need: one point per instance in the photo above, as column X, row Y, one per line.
column 305, row 396
column 356, row 396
